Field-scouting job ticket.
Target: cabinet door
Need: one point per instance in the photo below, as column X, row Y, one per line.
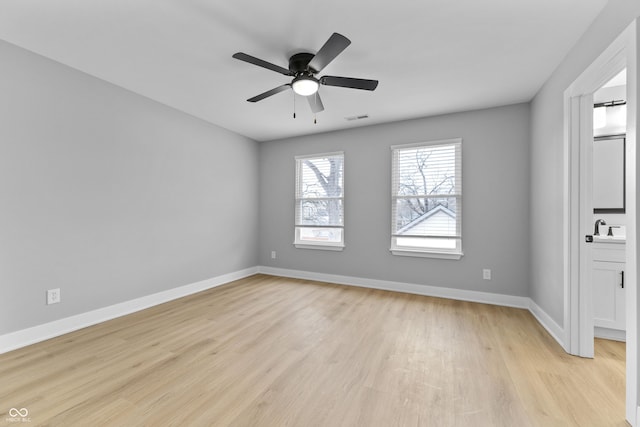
column 608, row 295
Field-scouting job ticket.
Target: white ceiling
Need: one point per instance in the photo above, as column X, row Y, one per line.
column 430, row 56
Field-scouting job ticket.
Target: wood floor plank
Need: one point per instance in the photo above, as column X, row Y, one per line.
column 271, row 351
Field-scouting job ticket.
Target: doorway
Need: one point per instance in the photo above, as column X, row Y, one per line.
column 578, row 207
column 609, row 209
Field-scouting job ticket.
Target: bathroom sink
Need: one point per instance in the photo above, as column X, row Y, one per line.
column 609, row 239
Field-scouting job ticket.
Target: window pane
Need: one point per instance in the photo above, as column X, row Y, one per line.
column 426, row 170
column 325, row 235
column 321, row 177
column 319, row 212
column 426, row 216
column 426, row 190
column 319, row 206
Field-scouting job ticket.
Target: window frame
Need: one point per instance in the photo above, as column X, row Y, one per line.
column 421, row 251
column 305, row 244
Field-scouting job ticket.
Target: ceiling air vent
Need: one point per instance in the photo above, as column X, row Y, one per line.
column 352, row 118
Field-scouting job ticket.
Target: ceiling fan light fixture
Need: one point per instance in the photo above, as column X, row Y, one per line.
column 305, row 85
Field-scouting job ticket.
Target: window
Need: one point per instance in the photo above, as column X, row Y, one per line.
column 426, row 195
column 319, row 211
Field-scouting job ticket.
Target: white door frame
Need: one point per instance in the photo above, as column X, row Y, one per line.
column 578, row 206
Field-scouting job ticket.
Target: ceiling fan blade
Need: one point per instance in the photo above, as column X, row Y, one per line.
column 349, row 82
column 327, row 53
column 269, row 93
column 261, row 63
column 315, row 103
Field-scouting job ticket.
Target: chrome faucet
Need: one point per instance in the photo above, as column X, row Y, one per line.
column 596, row 232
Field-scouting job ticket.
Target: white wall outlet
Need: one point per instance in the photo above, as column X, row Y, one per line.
column 53, row 296
column 486, row 274
column 273, row 254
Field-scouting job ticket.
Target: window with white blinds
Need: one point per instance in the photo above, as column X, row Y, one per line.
column 426, row 207
column 319, row 210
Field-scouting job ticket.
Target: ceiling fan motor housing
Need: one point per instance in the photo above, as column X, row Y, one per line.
column 299, row 63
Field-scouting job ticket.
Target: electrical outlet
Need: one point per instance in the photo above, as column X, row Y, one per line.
column 486, row 274
column 273, row 254
column 53, row 296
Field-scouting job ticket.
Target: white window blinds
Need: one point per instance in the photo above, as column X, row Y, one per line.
column 426, row 207
column 319, row 204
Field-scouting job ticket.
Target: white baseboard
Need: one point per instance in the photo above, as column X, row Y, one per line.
column 610, row 334
column 433, row 291
column 25, row 337
column 555, row 330
column 410, row 288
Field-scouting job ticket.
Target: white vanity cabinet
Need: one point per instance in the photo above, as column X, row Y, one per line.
column 609, row 290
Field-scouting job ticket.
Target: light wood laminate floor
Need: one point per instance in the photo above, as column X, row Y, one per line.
column 270, row 351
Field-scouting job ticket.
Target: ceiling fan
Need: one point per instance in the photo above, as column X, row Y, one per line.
column 304, row 66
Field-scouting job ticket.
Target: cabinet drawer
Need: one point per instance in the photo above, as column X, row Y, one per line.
column 604, row 252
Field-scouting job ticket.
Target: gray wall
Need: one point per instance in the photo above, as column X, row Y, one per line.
column 111, row 196
column 547, row 169
column 495, row 202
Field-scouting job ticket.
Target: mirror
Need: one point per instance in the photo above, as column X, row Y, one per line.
column 608, row 174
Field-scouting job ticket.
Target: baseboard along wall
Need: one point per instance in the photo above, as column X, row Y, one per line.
column 25, row 337
column 610, row 334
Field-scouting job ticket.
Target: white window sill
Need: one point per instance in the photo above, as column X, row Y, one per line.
column 427, row 254
column 319, row 247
